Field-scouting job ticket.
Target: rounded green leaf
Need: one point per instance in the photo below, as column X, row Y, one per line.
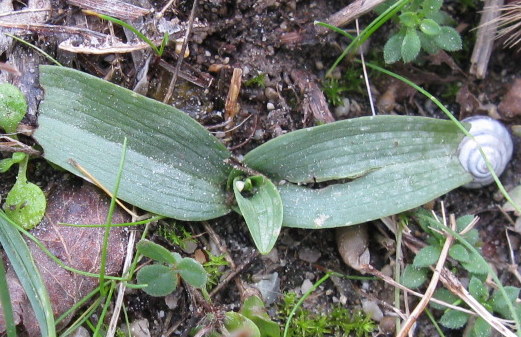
column 481, row 328
column 444, row 295
column 431, row 6
column 427, row 256
column 459, row 252
column 160, row 279
column 428, row 44
column 413, row 277
column 411, row 45
column 430, row 27
column 262, row 211
column 453, row 319
column 192, row 272
column 5, row 164
column 156, row 252
column 25, row 204
column 477, row 289
column 448, row 39
column 393, row 48
column 409, row 19
column 12, row 107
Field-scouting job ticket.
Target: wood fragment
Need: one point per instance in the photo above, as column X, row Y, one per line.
column 314, row 103
column 231, row 107
column 485, row 38
column 348, row 14
column 114, row 8
column 190, row 74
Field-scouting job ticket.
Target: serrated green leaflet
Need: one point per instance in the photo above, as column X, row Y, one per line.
column 174, row 167
column 262, row 211
column 389, row 190
column 23, row 264
column 350, row 148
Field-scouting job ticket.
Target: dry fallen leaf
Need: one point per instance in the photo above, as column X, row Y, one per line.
column 77, row 247
column 353, row 246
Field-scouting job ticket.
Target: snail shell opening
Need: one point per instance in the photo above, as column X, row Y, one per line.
column 496, row 142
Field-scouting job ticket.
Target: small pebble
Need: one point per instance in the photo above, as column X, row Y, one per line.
column 80, row 332
column 343, row 109
column 309, row 254
column 139, row 328
column 271, row 94
column 372, row 310
column 270, row 106
column 269, row 288
column 387, row 324
column 306, row 285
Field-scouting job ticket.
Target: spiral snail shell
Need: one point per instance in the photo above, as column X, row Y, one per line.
column 496, row 142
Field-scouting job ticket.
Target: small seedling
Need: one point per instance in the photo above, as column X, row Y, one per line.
column 25, row 203
column 422, row 26
column 257, row 81
column 162, row 276
column 214, row 268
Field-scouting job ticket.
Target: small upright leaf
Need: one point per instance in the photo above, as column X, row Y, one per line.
column 409, row 19
column 160, row 279
column 253, row 308
column 12, row 107
column 5, row 164
column 238, row 325
column 481, row 328
column 431, row 6
column 498, row 301
column 454, row 319
column 463, row 221
column 25, row 204
column 413, row 277
column 262, row 211
column 444, row 295
column 192, row 272
column 448, row 39
column 430, row 27
column 156, row 252
column 393, row 47
column 411, row 45
column 475, row 265
column 427, row 256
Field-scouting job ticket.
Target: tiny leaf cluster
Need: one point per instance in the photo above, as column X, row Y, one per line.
column 162, row 277
column 422, row 26
column 25, row 203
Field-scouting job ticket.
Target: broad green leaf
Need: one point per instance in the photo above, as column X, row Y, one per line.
column 440, row 17
column 444, row 295
column 409, row 19
column 477, row 289
column 459, row 253
column 453, row 319
column 161, row 280
column 174, row 167
column 393, row 47
column 481, row 328
column 253, row 308
column 389, row 190
column 411, row 45
column 262, row 211
column 25, row 204
column 413, row 277
column 354, row 147
column 156, row 252
column 12, row 107
column 430, row 27
column 427, row 256
column 448, row 39
column 23, row 264
column 192, row 272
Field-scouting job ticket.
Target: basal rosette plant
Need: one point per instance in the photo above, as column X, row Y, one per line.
column 332, row 175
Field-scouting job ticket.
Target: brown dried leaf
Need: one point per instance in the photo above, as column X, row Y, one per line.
column 510, row 105
column 77, row 247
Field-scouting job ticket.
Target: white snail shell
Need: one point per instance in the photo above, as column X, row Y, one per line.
column 496, row 142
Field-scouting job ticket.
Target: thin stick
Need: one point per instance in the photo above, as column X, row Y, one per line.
column 100, row 185
column 170, row 91
column 432, row 284
column 364, row 69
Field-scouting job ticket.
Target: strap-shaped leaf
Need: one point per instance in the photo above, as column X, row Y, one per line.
column 23, row 264
column 380, row 193
column 354, row 147
column 262, row 211
column 174, row 167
